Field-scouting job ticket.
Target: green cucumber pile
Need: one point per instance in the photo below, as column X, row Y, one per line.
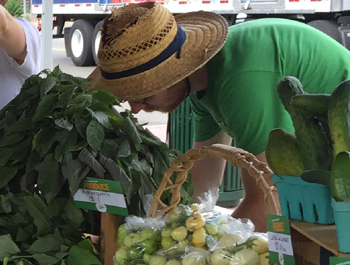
column 319, row 150
column 53, row 135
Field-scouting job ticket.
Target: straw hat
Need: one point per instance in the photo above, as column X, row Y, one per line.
column 144, row 49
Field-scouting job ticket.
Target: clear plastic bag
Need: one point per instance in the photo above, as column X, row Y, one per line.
column 180, row 255
column 138, row 239
column 250, row 251
column 191, row 233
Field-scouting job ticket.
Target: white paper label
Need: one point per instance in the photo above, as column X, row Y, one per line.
column 280, row 243
column 100, row 197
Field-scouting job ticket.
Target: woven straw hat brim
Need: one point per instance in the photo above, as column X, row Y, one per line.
column 206, row 33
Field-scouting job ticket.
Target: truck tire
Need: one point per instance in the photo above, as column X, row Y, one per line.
column 328, row 27
column 96, row 38
column 80, row 39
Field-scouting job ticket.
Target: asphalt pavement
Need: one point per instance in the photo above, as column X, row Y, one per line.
column 155, row 121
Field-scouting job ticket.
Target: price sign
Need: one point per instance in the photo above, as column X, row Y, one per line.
column 280, row 241
column 101, row 195
column 339, row 261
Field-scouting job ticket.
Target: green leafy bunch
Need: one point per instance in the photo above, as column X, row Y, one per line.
column 53, row 135
column 14, row 8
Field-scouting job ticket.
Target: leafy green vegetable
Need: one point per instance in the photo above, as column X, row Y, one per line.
column 53, row 135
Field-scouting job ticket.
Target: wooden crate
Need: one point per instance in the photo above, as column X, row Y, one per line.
column 313, row 244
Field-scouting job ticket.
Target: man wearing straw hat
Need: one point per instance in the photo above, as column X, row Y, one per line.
column 155, row 60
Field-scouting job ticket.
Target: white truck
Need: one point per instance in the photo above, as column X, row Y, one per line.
column 83, row 37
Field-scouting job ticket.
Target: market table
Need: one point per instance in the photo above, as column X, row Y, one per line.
column 308, row 239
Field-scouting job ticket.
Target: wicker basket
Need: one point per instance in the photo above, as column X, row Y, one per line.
column 237, row 157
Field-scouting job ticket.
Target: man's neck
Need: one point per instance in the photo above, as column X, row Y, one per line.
column 199, row 80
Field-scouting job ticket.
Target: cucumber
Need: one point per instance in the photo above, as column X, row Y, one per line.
column 283, row 155
column 339, row 117
column 340, row 177
column 314, row 145
column 313, row 104
column 287, row 88
column 317, row 176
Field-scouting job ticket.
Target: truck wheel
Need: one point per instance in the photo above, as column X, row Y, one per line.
column 328, row 27
column 96, row 38
column 80, row 37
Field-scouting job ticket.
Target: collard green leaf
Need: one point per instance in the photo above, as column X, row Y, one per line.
column 21, row 235
column 95, row 135
column 34, row 206
column 6, row 153
column 50, row 180
column 160, row 166
column 5, row 205
column 29, row 180
column 150, row 139
column 65, row 97
column 99, row 106
column 44, row 139
column 56, row 72
column 8, row 120
column 47, row 84
column 7, row 247
column 75, row 171
column 21, row 125
column 23, row 151
column 81, row 124
column 115, row 171
column 33, row 160
column 7, row 174
column 45, row 107
column 33, row 90
column 44, row 259
column 64, row 123
column 82, row 256
column 147, row 186
column 110, row 148
column 11, row 138
column 88, row 158
column 130, row 130
column 66, row 145
column 46, row 244
column 73, row 215
column 103, row 96
column 124, row 150
column 101, row 117
column 52, row 210
column 78, row 103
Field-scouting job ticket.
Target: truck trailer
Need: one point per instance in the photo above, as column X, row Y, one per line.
column 83, row 37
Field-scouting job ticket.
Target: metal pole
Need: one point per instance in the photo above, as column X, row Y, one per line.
column 46, row 34
column 24, row 8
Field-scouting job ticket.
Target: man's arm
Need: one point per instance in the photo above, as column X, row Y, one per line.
column 12, row 37
column 207, row 173
column 253, row 206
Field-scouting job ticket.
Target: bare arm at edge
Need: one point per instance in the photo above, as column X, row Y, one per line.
column 12, row 37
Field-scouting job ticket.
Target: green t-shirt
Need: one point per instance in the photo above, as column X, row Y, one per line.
column 241, row 97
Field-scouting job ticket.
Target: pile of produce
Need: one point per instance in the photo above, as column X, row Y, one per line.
column 319, row 150
column 53, row 135
column 190, row 235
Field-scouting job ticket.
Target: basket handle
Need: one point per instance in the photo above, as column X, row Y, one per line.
column 238, row 158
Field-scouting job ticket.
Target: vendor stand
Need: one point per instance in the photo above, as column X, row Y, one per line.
column 57, row 132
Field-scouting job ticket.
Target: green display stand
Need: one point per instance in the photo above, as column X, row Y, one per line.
column 180, row 135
